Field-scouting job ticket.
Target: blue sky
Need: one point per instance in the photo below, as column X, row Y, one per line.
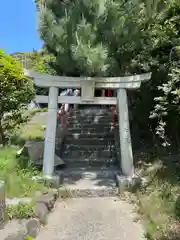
column 18, row 26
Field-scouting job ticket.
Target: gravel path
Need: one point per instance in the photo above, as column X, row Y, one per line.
column 85, row 219
column 92, row 219
column 12, row 227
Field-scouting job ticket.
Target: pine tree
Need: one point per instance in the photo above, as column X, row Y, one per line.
column 92, row 37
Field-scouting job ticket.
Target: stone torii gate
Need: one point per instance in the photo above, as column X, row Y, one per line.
column 87, row 85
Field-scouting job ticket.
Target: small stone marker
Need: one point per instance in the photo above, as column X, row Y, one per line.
column 35, row 151
column 33, row 227
column 2, row 202
column 41, row 212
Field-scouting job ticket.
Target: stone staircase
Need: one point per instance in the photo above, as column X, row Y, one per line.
column 90, row 138
column 89, row 153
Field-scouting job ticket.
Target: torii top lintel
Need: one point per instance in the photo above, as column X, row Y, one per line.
column 129, row 82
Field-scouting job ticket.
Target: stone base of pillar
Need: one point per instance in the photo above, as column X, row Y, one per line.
column 54, row 181
column 131, row 184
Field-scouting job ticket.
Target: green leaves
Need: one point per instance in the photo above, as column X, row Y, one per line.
column 15, row 92
column 153, row 6
column 84, row 35
column 91, row 59
column 117, row 38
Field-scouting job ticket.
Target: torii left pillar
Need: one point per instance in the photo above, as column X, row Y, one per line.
column 49, row 147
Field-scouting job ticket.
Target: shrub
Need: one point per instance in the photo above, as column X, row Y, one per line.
column 16, row 91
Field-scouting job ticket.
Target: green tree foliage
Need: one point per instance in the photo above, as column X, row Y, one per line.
column 92, row 37
column 27, row 59
column 117, row 38
column 153, row 6
column 43, row 65
column 16, row 91
column 39, row 61
column 166, row 32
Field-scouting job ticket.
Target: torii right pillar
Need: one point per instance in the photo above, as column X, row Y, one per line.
column 127, row 163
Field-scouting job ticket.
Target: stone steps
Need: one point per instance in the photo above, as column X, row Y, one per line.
column 100, row 162
column 89, row 155
column 89, row 141
column 90, row 138
column 92, row 111
column 89, row 182
column 90, row 129
column 91, row 172
column 96, row 157
column 86, row 153
column 89, row 125
column 92, row 148
column 108, row 135
column 91, row 120
column 88, row 192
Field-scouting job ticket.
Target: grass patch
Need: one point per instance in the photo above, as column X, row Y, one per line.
column 20, row 211
column 31, row 131
column 159, row 200
column 17, row 173
column 31, row 112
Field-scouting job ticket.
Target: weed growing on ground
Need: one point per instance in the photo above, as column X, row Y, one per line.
column 17, row 174
column 159, row 200
column 20, row 211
